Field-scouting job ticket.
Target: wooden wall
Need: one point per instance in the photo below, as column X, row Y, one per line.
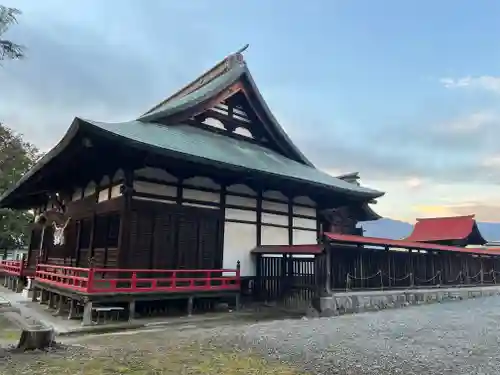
column 166, row 236
column 248, row 218
column 166, row 221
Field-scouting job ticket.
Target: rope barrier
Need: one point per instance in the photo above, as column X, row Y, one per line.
column 399, row 279
column 431, row 279
column 364, row 278
column 477, row 274
column 459, row 276
column 349, row 278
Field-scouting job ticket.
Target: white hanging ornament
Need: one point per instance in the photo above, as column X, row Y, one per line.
column 59, row 238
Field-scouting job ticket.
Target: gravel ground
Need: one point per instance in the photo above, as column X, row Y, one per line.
column 450, row 338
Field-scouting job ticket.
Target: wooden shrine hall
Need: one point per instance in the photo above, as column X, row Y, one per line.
column 168, row 206
column 204, row 198
column 454, row 231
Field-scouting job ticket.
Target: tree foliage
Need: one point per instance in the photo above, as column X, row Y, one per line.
column 8, row 49
column 16, row 157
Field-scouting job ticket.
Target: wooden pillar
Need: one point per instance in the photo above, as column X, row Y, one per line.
column 258, row 277
column 433, row 266
column 72, row 314
column 283, row 289
column 44, row 297
column 190, row 305
column 124, row 235
column 52, row 300
column 467, row 276
column 35, row 295
column 481, row 275
column 328, row 273
column 410, row 266
column 87, row 313
column 131, row 310
column 61, row 306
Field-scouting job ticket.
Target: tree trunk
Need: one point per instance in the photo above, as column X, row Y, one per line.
column 36, row 339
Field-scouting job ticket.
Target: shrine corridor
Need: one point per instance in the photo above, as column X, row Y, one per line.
column 449, row 338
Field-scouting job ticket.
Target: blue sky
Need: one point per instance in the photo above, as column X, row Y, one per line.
column 406, row 92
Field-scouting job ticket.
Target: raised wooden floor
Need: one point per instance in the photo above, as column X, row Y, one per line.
column 72, row 287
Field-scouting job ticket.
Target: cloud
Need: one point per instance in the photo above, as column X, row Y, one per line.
column 488, row 83
column 111, row 64
column 432, row 211
column 473, row 122
column 83, row 61
column 491, row 161
column 483, row 211
column 414, row 183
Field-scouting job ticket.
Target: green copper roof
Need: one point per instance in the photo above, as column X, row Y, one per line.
column 201, row 146
column 232, row 69
column 211, row 147
column 205, row 92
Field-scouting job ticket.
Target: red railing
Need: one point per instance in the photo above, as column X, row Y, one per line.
column 107, row 280
column 12, row 267
column 73, row 278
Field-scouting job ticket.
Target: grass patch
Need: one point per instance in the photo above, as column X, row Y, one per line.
column 8, row 331
column 195, row 359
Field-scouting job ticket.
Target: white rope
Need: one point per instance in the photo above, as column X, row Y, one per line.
column 477, row 274
column 364, row 278
column 431, row 279
column 456, row 278
column 401, row 279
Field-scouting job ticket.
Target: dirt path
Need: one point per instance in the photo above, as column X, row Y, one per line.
column 451, row 338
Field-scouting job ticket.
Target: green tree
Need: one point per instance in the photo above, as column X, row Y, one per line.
column 8, row 49
column 16, row 157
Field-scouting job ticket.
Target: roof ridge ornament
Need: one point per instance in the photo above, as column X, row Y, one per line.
column 236, row 58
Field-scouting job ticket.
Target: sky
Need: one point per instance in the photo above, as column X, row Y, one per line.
column 405, row 92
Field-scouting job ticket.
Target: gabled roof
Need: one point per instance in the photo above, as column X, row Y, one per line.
column 438, row 229
column 163, row 129
column 214, row 85
column 202, row 146
column 352, row 177
column 368, row 213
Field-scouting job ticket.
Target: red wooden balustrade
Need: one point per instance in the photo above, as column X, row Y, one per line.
column 12, row 267
column 112, row 280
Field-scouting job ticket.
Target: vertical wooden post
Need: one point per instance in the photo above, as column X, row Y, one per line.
column 133, row 282
column 87, row 312
column 282, row 278
column 328, row 266
column 131, row 310
column 190, row 306
column 238, row 277
column 258, row 277
column 481, row 271
column 90, row 279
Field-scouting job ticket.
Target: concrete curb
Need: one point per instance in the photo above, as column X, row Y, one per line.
column 340, row 303
column 135, row 325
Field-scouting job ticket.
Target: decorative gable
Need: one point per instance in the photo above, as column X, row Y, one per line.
column 226, row 100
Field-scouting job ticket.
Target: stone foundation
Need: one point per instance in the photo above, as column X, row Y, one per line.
column 356, row 302
column 28, row 288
